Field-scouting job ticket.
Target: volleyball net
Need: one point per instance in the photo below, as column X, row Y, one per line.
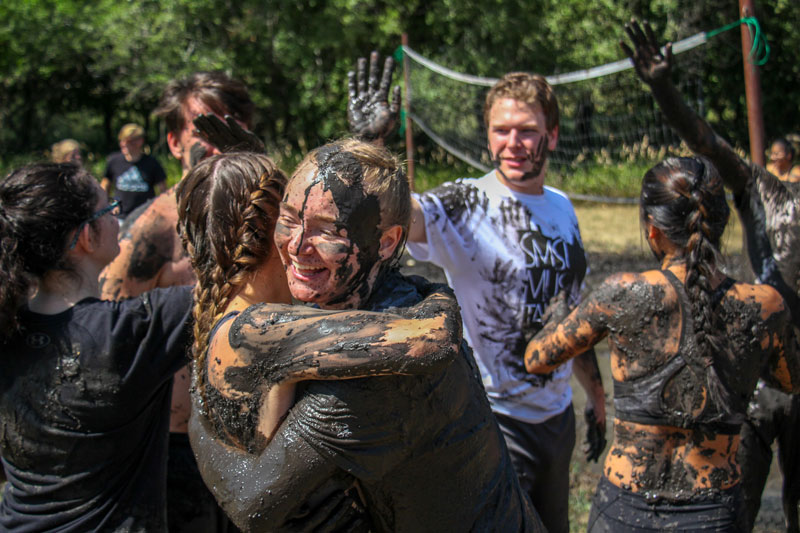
column 607, row 116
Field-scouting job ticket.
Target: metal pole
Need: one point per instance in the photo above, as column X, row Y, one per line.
column 407, row 107
column 752, row 87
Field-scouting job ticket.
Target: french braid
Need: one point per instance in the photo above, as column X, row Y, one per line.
column 242, row 192
column 685, row 199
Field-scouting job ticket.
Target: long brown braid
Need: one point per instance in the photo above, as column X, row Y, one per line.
column 227, row 208
column 685, row 199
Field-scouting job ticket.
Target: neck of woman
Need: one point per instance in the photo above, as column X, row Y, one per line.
column 59, row 290
column 267, row 285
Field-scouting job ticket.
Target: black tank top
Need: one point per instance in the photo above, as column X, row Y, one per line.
column 643, row 400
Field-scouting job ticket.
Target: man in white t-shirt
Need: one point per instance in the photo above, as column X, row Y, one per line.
column 507, row 245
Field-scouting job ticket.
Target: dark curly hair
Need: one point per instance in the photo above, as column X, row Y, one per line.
column 41, row 205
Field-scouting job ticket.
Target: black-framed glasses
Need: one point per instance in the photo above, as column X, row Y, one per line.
column 107, row 209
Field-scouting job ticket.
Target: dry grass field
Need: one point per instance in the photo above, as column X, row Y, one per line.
column 610, row 228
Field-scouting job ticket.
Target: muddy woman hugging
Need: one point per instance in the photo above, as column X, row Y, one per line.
column 687, row 346
column 284, row 437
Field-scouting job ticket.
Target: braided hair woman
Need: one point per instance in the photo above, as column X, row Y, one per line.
column 397, row 444
column 687, row 345
column 84, row 383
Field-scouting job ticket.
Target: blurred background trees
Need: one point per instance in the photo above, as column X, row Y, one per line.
column 71, row 68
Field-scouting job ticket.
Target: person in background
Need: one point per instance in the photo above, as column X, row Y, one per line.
column 508, row 243
column 781, row 157
column 84, row 383
column 151, row 255
column 132, row 176
column 66, row 151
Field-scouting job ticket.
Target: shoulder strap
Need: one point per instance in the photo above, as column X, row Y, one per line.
column 719, row 293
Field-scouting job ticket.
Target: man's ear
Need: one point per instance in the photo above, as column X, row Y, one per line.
column 174, row 144
column 552, row 139
column 390, row 240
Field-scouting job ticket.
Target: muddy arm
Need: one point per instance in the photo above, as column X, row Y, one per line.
column 267, row 492
column 653, row 68
column 291, row 343
column 783, row 367
column 567, row 335
column 561, row 339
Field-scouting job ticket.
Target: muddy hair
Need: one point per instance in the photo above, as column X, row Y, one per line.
column 41, row 206
column 227, row 209
column 532, row 89
column 384, row 177
column 685, row 199
column 223, row 95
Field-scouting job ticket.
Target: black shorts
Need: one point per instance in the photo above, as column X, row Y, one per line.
column 618, row 510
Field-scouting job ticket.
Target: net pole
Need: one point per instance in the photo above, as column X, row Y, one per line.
column 752, row 88
column 407, row 107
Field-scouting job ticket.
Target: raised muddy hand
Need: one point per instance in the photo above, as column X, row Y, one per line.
column 228, row 136
column 369, row 113
column 650, row 63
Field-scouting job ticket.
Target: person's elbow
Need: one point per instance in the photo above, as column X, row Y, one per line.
column 535, row 362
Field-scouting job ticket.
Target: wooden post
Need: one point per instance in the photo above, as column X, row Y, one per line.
column 407, row 108
column 752, row 87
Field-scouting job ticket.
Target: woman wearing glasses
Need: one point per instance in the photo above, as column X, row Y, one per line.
column 84, row 383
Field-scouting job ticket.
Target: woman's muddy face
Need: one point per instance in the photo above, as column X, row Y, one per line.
column 325, row 262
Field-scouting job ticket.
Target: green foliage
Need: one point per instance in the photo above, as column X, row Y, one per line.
column 75, row 69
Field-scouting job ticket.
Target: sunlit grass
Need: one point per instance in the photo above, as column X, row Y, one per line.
column 615, row 228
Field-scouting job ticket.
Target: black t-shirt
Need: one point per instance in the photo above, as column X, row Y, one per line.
column 84, row 413
column 426, row 449
column 133, row 182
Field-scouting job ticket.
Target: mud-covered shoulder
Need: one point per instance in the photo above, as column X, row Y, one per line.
column 154, row 239
column 627, row 293
column 769, row 302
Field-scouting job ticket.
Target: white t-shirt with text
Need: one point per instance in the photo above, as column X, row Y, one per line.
column 505, row 254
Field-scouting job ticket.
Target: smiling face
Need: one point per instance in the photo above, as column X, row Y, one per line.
column 328, row 234
column 519, row 143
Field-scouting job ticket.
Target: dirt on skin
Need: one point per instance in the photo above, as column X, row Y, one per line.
column 584, row 476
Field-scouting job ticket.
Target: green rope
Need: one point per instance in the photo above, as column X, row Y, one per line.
column 759, row 52
column 398, row 57
column 402, row 131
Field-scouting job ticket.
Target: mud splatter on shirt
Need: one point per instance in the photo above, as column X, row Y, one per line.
column 506, row 254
